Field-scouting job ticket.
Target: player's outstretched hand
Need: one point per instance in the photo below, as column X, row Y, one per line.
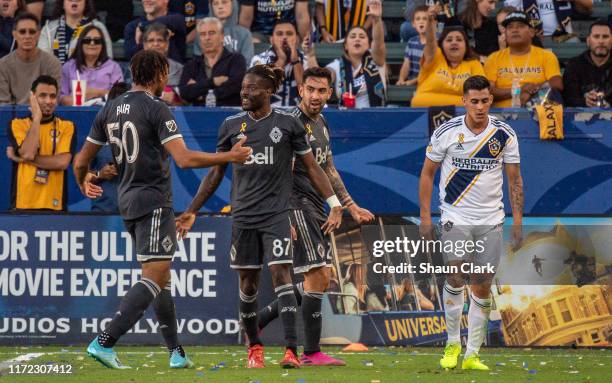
column 89, row 188
column 334, row 220
column 184, row 222
column 240, row 153
column 359, row 214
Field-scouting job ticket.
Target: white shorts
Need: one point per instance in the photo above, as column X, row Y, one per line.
column 486, row 240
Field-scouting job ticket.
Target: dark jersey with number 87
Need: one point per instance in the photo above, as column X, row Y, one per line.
column 137, row 125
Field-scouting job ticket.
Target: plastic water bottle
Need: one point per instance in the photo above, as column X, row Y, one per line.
column 516, row 93
column 211, row 99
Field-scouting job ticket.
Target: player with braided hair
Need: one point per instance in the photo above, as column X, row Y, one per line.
column 260, row 200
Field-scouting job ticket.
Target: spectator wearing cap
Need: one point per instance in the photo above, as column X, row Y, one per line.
column 588, row 77
column 217, row 69
column 445, row 66
column 156, row 11
column 8, row 11
column 521, row 64
column 553, row 16
column 59, row 36
column 284, row 53
column 260, row 16
column 237, row 38
column 21, row 67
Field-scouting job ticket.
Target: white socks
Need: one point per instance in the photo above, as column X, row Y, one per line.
column 453, row 308
column 478, row 318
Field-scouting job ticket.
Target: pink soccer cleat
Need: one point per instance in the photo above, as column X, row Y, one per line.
column 320, row 359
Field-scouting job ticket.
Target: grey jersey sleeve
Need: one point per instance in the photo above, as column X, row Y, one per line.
column 224, row 139
column 167, row 128
column 299, row 141
column 97, row 133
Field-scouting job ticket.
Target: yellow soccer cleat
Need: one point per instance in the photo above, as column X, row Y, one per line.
column 451, row 355
column 473, row 362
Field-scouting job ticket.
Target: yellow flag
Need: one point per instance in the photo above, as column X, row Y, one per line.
column 550, row 117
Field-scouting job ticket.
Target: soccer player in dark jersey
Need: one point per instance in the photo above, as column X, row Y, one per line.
column 142, row 132
column 260, row 200
column 311, row 253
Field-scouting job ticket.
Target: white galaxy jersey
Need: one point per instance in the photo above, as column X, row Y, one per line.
column 471, row 178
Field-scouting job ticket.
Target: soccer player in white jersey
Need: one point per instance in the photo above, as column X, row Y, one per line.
column 471, row 149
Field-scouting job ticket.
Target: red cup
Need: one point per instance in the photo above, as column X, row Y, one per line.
column 348, row 100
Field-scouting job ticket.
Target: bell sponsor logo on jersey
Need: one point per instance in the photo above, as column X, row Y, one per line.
column 265, row 158
column 321, row 155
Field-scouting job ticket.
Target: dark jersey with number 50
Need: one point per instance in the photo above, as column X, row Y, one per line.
column 137, row 125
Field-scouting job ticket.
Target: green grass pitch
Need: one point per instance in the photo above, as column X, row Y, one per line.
column 379, row 365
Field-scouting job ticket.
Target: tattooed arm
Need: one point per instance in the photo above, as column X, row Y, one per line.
column 359, row 214
column 515, row 188
column 207, row 188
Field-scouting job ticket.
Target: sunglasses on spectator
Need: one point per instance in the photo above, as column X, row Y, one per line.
column 30, row 32
column 92, row 40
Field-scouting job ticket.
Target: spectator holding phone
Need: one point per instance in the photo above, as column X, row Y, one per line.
column 444, row 66
column 284, row 53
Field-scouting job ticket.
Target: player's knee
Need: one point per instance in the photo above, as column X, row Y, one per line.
column 455, row 280
column 317, row 280
column 281, row 274
column 482, row 290
column 158, row 272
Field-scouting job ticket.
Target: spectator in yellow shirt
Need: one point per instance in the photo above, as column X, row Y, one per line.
column 521, row 64
column 444, row 66
column 41, row 150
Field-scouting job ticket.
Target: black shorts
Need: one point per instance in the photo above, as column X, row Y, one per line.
column 154, row 235
column 251, row 247
column 312, row 248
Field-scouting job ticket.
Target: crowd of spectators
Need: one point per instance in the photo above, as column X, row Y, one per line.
column 211, row 43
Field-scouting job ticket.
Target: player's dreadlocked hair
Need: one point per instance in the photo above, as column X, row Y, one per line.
column 148, row 66
column 273, row 75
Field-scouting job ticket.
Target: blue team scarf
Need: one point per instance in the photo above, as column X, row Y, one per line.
column 563, row 10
